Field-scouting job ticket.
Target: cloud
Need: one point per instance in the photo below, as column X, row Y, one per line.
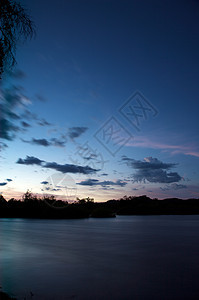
column 41, row 142
column 152, row 170
column 30, row 160
column 92, row 156
column 50, row 189
column 89, row 182
column 70, row 168
column 173, row 186
column 7, row 129
column 13, row 97
column 40, row 98
column 44, row 182
column 46, row 143
column 5, row 183
column 75, row 132
column 17, row 74
column 43, row 122
column 107, row 188
column 148, row 163
column 144, row 142
column 66, row 168
column 25, row 124
column 176, row 186
column 2, row 146
column 118, row 183
column 11, row 100
column 94, row 182
column 139, row 187
column 58, row 142
column 156, row 176
column 30, row 116
column 14, row 113
column 46, row 189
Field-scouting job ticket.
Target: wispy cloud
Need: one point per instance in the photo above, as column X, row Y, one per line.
column 14, row 112
column 94, row 182
column 90, row 157
column 40, row 97
column 30, row 160
column 25, row 124
column 41, row 142
column 7, row 129
column 75, row 132
column 70, row 168
column 17, row 74
column 2, row 146
column 58, row 142
column 63, row 168
column 11, row 100
column 145, row 142
column 152, row 170
column 173, row 186
column 31, row 116
column 46, row 143
column 5, row 183
column 49, row 189
column 43, row 122
column 44, row 182
column 28, row 115
column 148, row 162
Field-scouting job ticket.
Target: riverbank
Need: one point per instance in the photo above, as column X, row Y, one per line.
column 4, row 296
column 34, row 207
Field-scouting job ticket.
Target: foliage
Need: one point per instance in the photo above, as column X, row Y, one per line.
column 31, row 206
column 15, row 25
column 85, row 200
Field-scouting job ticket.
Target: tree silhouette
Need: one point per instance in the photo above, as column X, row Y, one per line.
column 15, row 26
column 28, row 196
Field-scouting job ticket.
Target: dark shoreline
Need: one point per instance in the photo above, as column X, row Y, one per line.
column 35, row 208
column 4, row 296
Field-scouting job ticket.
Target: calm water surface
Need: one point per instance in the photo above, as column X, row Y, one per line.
column 128, row 257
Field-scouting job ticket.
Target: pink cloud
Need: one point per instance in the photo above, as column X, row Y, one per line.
column 144, row 142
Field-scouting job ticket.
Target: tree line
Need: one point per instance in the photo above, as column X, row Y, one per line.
column 32, row 206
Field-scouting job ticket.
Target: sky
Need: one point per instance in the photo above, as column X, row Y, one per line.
column 103, row 102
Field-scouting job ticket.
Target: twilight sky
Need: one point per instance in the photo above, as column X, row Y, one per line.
column 104, row 101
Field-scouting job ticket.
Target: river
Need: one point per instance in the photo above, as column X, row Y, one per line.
column 127, row 257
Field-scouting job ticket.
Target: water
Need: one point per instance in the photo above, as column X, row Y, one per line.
column 127, row 257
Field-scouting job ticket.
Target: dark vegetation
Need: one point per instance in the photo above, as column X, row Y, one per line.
column 4, row 296
column 16, row 26
column 49, row 208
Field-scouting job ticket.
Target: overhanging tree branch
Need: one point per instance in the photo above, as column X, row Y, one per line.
column 15, row 26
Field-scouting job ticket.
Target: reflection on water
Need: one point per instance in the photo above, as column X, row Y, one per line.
column 127, row 257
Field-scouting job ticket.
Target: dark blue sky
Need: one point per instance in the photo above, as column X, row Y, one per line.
column 88, row 60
